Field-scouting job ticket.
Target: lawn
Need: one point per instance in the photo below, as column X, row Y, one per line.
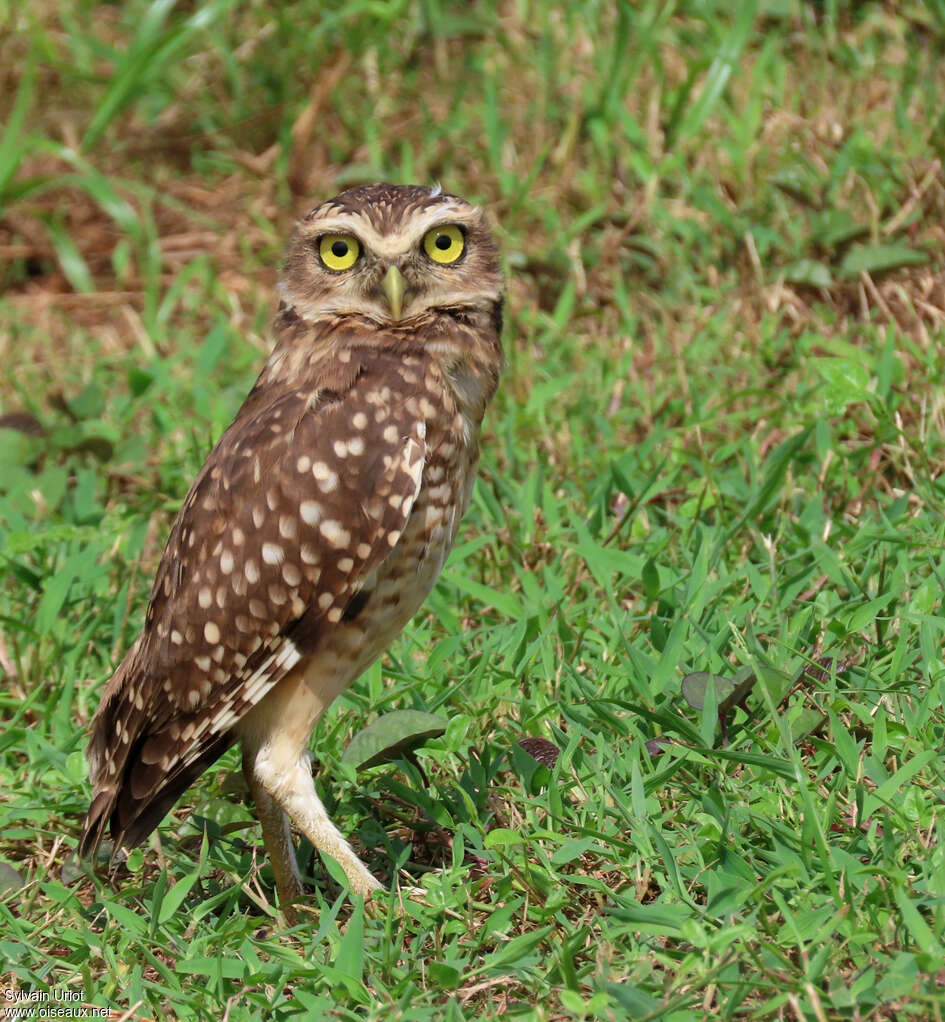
column 690, row 642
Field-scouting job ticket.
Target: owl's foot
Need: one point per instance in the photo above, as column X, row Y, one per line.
column 295, row 905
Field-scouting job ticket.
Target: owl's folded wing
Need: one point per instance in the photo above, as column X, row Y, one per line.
column 301, row 500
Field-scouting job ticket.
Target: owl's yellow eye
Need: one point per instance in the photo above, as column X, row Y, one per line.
column 339, row 251
column 444, row 244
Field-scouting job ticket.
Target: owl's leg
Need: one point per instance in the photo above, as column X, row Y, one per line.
column 277, row 835
column 284, row 774
column 275, row 735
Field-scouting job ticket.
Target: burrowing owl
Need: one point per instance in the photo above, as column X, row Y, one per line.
column 319, row 522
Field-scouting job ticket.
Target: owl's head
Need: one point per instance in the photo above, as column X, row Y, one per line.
column 392, row 254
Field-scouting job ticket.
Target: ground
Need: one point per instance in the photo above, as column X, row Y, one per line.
column 702, row 573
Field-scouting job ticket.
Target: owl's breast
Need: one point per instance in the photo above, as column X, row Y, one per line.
column 407, row 575
column 393, row 593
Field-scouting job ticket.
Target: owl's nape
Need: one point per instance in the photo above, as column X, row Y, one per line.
column 319, row 522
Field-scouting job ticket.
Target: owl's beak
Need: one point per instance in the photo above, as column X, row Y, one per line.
column 394, row 287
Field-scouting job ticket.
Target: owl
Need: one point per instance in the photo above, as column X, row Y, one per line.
column 318, row 523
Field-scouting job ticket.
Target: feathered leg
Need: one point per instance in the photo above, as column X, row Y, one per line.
column 276, row 764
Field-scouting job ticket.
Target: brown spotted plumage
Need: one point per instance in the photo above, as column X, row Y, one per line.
column 318, row 523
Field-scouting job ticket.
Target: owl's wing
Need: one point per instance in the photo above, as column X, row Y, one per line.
column 302, row 499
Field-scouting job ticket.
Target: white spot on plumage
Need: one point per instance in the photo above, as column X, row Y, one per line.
column 335, row 533
column 211, row 632
column 311, row 512
column 326, row 478
column 262, row 678
column 272, row 553
column 432, row 516
column 223, row 719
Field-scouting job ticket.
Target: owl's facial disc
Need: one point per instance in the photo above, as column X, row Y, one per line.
column 393, row 255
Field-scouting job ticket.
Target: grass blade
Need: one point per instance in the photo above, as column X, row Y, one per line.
column 12, row 148
column 719, row 72
column 70, row 259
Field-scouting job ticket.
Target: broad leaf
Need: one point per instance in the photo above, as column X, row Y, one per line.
column 391, row 736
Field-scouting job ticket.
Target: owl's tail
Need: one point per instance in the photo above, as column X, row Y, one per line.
column 133, row 790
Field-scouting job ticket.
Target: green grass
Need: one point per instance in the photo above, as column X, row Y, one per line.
column 719, row 446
